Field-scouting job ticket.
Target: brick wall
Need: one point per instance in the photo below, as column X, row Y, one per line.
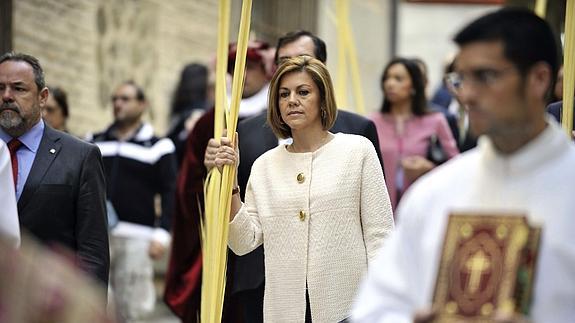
column 89, row 46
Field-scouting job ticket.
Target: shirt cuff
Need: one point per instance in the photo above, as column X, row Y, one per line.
column 162, row 236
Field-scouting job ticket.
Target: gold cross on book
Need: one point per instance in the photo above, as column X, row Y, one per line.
column 487, row 264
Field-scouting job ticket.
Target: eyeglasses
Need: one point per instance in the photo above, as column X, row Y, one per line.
column 480, row 78
column 123, row 98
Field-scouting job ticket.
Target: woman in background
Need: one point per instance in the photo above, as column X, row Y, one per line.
column 406, row 127
column 189, row 103
column 56, row 111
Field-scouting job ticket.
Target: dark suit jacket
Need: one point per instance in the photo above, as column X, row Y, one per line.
column 255, row 138
column 469, row 142
column 451, row 119
column 63, row 200
column 556, row 110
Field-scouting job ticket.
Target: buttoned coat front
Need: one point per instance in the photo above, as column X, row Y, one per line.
column 321, row 217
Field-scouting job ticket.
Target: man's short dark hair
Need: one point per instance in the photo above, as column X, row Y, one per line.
column 140, row 95
column 32, row 61
column 319, row 50
column 527, row 39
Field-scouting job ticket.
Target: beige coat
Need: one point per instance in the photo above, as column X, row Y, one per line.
column 322, row 216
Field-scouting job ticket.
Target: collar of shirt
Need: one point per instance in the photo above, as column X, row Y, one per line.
column 31, row 139
column 142, row 133
column 255, row 103
column 550, row 143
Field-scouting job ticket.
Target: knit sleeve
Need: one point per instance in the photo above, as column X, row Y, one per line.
column 375, row 206
column 245, row 231
column 395, row 286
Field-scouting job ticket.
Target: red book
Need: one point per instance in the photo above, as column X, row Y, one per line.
column 487, row 264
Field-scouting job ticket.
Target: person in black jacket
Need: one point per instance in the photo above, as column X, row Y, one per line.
column 139, row 166
column 59, row 179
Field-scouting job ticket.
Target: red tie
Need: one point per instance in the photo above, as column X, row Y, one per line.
column 13, row 146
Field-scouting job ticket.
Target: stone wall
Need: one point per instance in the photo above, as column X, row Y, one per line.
column 5, row 25
column 89, row 46
column 370, row 23
column 431, row 40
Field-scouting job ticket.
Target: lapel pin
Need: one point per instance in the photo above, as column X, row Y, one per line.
column 52, row 151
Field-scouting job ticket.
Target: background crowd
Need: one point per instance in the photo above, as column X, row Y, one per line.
column 319, row 190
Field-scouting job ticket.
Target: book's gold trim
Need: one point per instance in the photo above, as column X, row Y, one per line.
column 486, row 266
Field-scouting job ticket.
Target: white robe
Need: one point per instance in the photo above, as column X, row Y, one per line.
column 254, row 104
column 9, row 227
column 537, row 180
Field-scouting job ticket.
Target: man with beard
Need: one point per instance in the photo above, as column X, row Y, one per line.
column 59, row 179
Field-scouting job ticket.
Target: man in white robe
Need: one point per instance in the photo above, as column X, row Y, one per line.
column 9, row 227
column 524, row 164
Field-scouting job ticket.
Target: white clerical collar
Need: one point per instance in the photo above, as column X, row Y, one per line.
column 255, row 103
column 547, row 145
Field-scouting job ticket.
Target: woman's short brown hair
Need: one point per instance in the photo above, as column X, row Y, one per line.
column 319, row 74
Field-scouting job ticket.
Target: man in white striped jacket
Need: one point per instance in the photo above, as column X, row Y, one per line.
column 139, row 167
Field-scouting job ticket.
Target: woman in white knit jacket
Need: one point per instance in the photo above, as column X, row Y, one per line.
column 319, row 205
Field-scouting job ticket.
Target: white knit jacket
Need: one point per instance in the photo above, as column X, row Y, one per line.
column 322, row 230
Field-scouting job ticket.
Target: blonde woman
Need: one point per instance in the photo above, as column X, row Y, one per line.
column 319, row 205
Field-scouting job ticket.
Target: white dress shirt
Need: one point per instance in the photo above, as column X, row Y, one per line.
column 9, row 227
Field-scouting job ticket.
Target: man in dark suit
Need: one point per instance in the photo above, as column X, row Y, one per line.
column 59, row 179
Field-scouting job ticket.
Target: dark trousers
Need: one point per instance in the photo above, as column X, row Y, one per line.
column 307, row 308
column 253, row 307
column 252, row 304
